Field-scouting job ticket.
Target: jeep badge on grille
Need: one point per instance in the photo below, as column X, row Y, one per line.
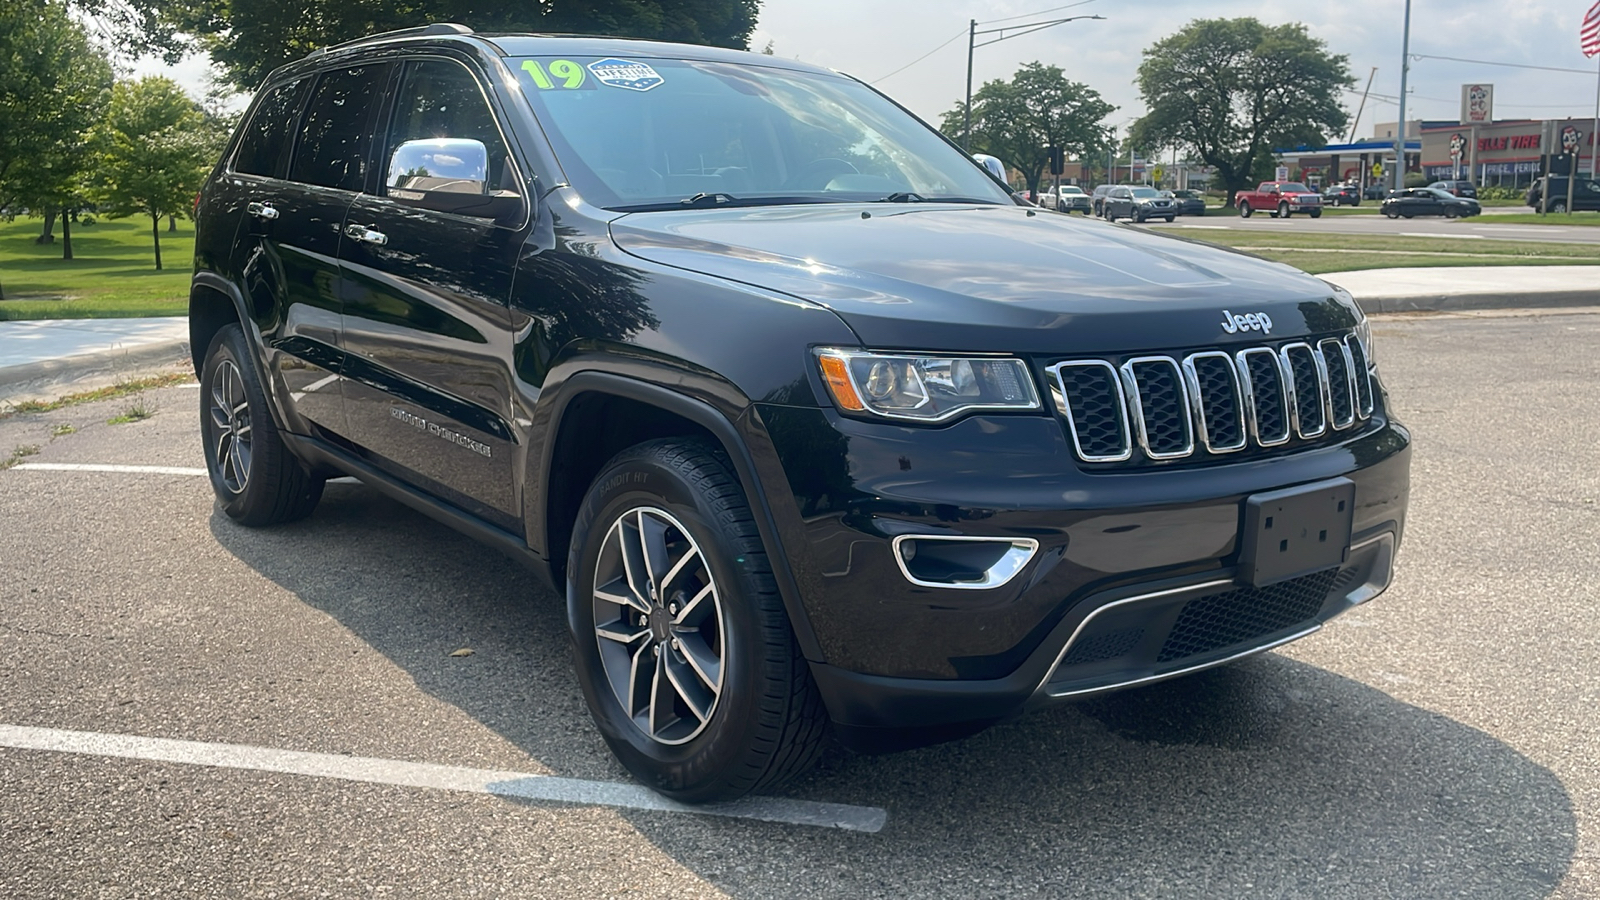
column 1233, row 324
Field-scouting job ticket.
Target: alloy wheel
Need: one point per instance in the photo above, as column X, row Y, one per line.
column 230, row 424
column 659, row 625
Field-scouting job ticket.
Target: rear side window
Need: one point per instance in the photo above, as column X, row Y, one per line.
column 336, row 134
column 265, row 138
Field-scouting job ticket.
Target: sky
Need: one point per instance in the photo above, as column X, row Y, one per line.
column 871, row 39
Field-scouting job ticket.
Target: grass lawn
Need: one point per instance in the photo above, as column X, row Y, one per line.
column 112, row 274
column 1318, row 253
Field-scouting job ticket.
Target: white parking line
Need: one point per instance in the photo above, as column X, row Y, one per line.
column 100, row 467
column 436, row 777
column 1435, row 234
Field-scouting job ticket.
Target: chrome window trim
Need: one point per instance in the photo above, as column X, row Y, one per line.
column 1349, row 379
column 1197, row 402
column 1131, row 382
column 1058, row 388
column 1294, row 391
column 1285, row 395
column 997, row 575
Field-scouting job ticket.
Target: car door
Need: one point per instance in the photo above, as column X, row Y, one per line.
column 427, row 329
column 286, row 255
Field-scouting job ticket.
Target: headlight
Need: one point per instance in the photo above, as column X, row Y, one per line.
column 924, row 388
column 1364, row 335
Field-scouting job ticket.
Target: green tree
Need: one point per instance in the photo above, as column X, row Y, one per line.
column 1231, row 90
column 53, row 85
column 1019, row 120
column 154, row 148
column 248, row 38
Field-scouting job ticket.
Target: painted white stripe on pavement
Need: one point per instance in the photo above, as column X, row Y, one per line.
column 429, row 775
column 1210, row 227
column 1435, row 234
column 98, row 467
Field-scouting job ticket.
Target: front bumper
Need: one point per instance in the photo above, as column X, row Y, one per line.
column 1115, row 552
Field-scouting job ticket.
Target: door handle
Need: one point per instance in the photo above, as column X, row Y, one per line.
column 365, row 234
column 262, row 211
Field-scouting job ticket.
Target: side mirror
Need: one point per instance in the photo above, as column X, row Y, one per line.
column 448, row 175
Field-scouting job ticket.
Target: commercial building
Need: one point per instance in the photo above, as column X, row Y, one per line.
column 1509, row 152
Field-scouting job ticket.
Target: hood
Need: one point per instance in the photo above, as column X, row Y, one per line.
column 990, row 278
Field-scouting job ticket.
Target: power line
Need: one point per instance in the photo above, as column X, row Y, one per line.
column 1038, row 13
column 1490, row 62
column 920, row 58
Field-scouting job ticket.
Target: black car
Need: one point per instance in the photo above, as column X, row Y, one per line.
column 1427, row 201
column 1456, row 188
column 1188, row 203
column 812, row 426
column 1137, row 202
column 1342, row 195
column 1585, row 194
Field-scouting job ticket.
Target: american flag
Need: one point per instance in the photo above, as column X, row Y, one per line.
column 1589, row 35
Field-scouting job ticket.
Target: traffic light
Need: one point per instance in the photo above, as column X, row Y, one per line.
column 1058, row 160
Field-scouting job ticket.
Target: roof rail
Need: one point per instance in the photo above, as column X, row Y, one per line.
column 437, row 28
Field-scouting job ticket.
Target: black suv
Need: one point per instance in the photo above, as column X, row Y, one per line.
column 1585, row 194
column 815, row 428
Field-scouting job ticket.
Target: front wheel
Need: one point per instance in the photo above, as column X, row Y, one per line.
column 255, row 478
column 1169, row 220
column 1558, row 206
column 1315, row 213
column 682, row 644
column 1391, row 214
column 1283, row 211
column 1245, row 210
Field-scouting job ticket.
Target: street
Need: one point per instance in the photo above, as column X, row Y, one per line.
column 1443, row 741
column 1480, row 228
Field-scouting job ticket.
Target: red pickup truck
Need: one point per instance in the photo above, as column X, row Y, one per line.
column 1281, row 199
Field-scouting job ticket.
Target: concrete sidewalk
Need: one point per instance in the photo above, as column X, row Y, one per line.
column 41, row 356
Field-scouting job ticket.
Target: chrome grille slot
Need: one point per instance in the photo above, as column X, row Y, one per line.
column 1089, row 394
column 1306, row 381
column 1336, row 362
column 1363, row 375
column 1217, row 403
column 1160, row 406
column 1266, row 396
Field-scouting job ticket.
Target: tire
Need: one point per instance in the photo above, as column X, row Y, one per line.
column 1169, row 220
column 1283, row 211
column 1451, row 213
column 1245, row 210
column 1138, row 218
column 256, row 479
column 1315, row 213
column 748, row 715
column 1391, row 214
column 1558, row 206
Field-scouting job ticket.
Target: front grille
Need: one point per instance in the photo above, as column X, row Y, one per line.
column 1245, row 615
column 1157, row 408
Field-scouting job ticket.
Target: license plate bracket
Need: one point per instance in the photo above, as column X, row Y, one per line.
column 1296, row 531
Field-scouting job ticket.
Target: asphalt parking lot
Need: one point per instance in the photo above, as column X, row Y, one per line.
column 1480, row 228
column 193, row 709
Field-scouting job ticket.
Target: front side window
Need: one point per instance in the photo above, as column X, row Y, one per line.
column 440, row 100
column 265, row 138
column 640, row 134
column 336, row 134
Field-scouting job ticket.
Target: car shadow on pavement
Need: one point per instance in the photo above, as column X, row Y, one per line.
column 1267, row 778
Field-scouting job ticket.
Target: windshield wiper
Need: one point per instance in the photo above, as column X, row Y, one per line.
column 904, row 197
column 703, row 200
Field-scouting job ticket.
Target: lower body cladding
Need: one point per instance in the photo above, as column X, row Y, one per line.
column 959, row 577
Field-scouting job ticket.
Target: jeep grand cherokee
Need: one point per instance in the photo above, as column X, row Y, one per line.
column 816, row 428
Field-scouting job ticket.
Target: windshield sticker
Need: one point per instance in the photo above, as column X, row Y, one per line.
column 635, row 76
column 567, row 74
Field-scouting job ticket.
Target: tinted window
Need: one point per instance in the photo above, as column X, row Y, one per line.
column 336, row 136
column 441, row 99
column 264, row 139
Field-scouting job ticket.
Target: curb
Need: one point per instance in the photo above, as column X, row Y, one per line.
column 29, row 376
column 1461, row 302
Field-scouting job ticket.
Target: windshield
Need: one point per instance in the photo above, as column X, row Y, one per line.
column 1071, row 190
column 1146, row 192
column 662, row 133
column 1295, row 187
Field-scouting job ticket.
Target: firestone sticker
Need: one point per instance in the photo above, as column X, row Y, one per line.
column 622, row 73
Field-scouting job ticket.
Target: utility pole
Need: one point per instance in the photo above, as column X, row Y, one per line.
column 1400, row 140
column 972, row 44
column 1362, row 108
